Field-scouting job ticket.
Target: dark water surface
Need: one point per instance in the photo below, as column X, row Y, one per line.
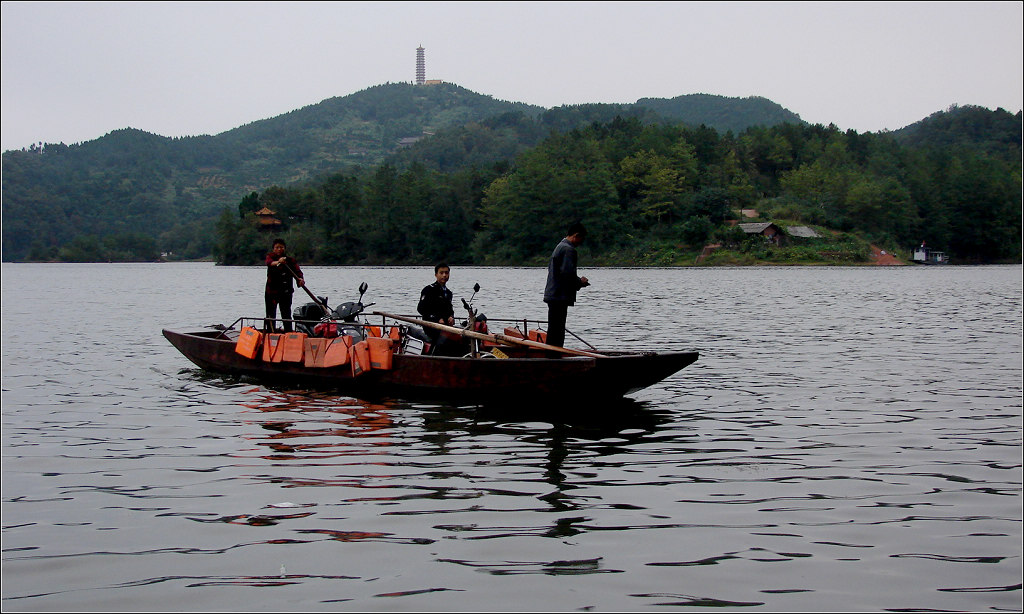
column 850, row 439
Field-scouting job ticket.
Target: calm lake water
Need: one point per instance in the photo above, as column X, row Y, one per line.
column 849, row 440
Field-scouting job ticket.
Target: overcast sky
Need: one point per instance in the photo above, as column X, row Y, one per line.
column 75, row 71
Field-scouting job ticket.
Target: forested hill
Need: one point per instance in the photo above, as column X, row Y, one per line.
column 440, row 167
column 135, row 185
column 995, row 132
column 722, row 114
column 140, row 192
column 659, row 193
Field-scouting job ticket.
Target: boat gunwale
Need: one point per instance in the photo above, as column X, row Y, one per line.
column 221, row 335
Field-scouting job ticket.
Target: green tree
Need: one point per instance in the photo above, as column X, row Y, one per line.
column 250, row 203
column 239, row 242
column 379, row 218
column 83, row 248
column 342, row 196
column 563, row 180
column 655, row 185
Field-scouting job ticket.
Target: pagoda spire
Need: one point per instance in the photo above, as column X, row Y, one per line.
column 421, row 66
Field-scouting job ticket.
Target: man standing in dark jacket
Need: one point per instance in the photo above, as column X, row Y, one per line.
column 281, row 268
column 436, row 306
column 563, row 283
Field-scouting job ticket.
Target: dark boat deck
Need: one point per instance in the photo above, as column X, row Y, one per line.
column 526, row 374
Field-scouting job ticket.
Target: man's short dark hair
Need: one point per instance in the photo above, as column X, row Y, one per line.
column 441, row 265
column 576, row 228
column 279, row 242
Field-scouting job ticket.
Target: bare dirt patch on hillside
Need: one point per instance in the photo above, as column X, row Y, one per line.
column 884, row 258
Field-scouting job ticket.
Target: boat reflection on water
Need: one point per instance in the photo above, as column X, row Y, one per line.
column 329, row 425
column 370, row 415
column 352, row 470
column 316, row 438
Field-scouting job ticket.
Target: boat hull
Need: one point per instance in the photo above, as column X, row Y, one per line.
column 471, row 379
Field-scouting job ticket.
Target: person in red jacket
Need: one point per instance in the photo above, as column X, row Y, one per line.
column 281, row 269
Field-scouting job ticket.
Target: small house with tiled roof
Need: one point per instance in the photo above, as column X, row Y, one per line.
column 771, row 232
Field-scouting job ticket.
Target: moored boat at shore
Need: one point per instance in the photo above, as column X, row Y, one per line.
column 926, row 255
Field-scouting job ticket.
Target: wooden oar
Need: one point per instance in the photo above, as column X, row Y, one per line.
column 507, row 340
column 327, row 311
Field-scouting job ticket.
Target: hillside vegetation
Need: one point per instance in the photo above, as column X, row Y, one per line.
column 131, row 192
column 406, row 174
column 652, row 193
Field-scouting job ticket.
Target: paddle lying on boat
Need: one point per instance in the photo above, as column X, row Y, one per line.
column 506, row 339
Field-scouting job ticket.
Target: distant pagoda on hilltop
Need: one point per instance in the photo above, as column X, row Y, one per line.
column 421, row 66
column 421, row 69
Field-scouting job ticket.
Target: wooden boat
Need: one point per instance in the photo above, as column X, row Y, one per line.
column 510, row 367
column 524, row 374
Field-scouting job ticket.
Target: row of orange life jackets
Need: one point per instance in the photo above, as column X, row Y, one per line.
column 375, row 352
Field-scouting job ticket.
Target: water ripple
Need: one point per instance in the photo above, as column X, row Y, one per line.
column 850, row 439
